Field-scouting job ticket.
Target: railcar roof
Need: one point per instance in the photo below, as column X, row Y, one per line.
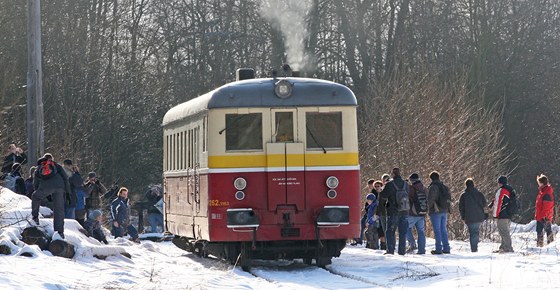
column 260, row 93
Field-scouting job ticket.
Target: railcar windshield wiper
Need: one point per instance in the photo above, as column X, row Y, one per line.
column 314, row 139
column 233, row 122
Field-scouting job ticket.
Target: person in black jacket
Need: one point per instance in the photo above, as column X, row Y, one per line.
column 395, row 218
column 416, row 219
column 438, row 206
column 471, row 206
column 70, row 205
column 155, row 216
column 501, row 213
column 46, row 185
column 15, row 155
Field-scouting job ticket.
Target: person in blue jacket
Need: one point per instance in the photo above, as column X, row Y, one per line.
column 120, row 213
column 372, row 223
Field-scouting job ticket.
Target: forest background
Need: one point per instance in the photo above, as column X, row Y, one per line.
column 470, row 88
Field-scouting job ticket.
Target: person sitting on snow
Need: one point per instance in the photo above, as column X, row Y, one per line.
column 93, row 226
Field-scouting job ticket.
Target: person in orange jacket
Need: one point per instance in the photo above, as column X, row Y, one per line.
column 544, row 210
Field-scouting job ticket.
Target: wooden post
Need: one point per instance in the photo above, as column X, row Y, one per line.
column 34, row 126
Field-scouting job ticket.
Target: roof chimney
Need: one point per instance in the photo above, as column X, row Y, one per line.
column 244, row 74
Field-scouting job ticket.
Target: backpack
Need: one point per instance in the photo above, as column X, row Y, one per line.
column 444, row 199
column 513, row 205
column 403, row 204
column 421, row 202
column 47, row 169
column 10, row 182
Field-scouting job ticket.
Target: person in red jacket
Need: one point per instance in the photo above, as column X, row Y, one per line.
column 544, row 210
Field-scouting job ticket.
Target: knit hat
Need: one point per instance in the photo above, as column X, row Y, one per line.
column 370, row 196
column 414, row 177
column 94, row 214
column 67, row 162
column 502, row 180
column 92, row 174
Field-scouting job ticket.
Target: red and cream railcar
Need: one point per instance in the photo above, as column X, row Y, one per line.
column 263, row 169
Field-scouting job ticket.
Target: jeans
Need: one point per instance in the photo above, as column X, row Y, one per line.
column 439, row 223
column 474, row 235
column 155, row 220
column 395, row 222
column 547, row 227
column 70, row 212
column 503, row 230
column 420, row 223
column 120, row 231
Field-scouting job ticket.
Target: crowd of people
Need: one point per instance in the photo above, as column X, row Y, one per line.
column 395, row 205
column 89, row 202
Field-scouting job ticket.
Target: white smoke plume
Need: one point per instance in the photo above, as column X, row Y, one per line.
column 289, row 17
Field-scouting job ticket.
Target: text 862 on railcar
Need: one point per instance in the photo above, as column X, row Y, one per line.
column 263, row 168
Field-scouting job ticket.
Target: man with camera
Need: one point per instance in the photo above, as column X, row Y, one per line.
column 15, row 155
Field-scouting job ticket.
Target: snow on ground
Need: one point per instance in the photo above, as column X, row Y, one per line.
column 160, row 265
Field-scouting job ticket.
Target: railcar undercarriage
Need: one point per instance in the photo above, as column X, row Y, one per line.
column 242, row 253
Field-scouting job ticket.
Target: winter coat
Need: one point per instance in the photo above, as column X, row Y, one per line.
column 501, row 202
column 80, row 199
column 434, row 191
column 152, row 197
column 93, row 228
column 58, row 181
column 390, row 194
column 413, row 198
column 544, row 205
column 381, row 203
column 120, row 211
column 12, row 158
column 371, row 211
column 20, row 186
column 29, row 187
column 94, row 191
column 76, row 184
column 18, row 182
column 471, row 205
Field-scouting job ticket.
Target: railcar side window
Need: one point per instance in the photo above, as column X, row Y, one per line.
column 324, row 130
column 244, row 131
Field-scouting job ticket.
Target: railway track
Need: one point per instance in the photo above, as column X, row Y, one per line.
column 282, row 272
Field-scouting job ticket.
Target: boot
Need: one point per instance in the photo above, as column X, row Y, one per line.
column 540, row 242
column 383, row 246
column 549, row 238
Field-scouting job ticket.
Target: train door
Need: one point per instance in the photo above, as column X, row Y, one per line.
column 285, row 162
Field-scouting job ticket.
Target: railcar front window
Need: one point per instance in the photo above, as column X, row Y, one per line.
column 324, row 130
column 244, row 131
column 284, row 127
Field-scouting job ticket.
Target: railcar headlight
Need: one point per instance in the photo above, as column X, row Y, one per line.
column 241, row 218
column 240, row 195
column 332, row 182
column 283, row 89
column 240, row 183
column 331, row 194
column 334, row 216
